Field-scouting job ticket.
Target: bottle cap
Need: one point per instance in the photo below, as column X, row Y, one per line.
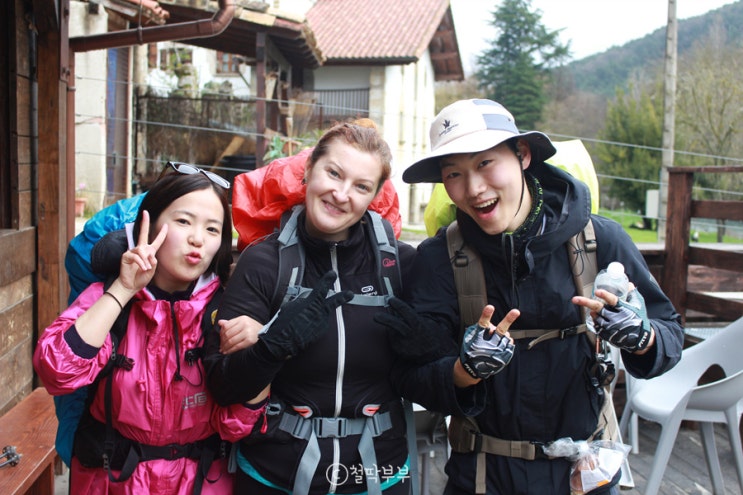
column 615, row 269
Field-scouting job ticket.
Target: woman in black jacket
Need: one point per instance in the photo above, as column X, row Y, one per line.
column 518, row 213
column 335, row 422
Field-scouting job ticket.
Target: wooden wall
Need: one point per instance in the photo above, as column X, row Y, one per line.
column 18, row 235
column 34, row 224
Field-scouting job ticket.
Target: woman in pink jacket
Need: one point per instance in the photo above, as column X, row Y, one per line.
column 164, row 433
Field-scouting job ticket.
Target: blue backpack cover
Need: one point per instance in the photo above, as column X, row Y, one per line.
column 69, row 408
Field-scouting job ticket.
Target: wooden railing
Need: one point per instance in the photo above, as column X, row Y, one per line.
column 684, row 265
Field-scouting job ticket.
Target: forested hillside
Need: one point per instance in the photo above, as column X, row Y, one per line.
column 604, row 72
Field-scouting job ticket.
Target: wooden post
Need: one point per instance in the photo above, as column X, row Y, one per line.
column 55, row 196
column 675, row 271
column 260, row 105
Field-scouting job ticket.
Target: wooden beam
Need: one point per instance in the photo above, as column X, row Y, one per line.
column 722, row 210
column 721, row 308
column 51, row 281
column 716, row 258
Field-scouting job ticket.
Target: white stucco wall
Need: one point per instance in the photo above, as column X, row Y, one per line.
column 90, row 107
column 402, row 103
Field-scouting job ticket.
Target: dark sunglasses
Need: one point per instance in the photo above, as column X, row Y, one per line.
column 186, row 169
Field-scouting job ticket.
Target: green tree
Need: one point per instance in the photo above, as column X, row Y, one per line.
column 630, row 146
column 516, row 67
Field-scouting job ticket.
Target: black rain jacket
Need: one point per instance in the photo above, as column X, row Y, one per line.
column 544, row 393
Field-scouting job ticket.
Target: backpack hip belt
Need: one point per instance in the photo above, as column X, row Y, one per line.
column 465, row 439
column 311, row 429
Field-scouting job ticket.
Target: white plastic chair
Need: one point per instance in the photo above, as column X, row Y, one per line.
column 675, row 396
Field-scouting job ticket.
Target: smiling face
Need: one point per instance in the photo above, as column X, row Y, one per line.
column 195, row 223
column 488, row 186
column 340, row 187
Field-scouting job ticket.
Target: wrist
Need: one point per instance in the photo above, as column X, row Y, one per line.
column 120, row 292
column 463, row 379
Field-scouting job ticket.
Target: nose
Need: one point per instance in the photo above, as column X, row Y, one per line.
column 340, row 194
column 475, row 185
column 196, row 238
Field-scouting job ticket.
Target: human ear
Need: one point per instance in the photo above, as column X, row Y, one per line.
column 523, row 153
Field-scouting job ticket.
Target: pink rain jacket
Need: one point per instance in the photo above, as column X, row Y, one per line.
column 148, row 404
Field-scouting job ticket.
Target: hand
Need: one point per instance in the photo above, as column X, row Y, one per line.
column 625, row 324
column 303, row 321
column 238, row 333
column 487, row 349
column 409, row 337
column 138, row 264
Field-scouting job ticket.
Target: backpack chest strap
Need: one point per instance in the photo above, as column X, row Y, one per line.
column 540, row 335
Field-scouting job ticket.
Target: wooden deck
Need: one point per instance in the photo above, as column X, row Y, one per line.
column 686, row 472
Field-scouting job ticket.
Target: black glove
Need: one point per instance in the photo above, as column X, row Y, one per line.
column 409, row 337
column 625, row 325
column 484, row 354
column 303, row 321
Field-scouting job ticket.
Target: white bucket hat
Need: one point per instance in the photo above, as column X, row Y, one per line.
column 470, row 126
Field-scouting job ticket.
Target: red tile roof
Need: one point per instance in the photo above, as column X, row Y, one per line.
column 380, row 31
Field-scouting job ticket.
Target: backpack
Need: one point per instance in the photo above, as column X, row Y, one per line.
column 289, row 286
column 464, row 434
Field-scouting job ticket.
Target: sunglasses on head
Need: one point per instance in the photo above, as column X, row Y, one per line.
column 186, row 169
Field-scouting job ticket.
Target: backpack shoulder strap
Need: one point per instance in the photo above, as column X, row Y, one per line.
column 468, row 277
column 584, row 265
column 583, row 262
column 291, row 259
column 386, row 253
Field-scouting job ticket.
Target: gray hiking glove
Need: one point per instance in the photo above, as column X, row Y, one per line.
column 303, row 321
column 625, row 325
column 410, row 338
column 484, row 354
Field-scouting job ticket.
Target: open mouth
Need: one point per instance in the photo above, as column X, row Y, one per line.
column 486, row 207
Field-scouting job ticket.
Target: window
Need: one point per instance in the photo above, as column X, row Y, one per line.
column 171, row 58
column 227, row 63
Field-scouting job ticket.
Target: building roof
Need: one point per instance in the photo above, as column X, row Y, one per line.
column 290, row 33
column 387, row 32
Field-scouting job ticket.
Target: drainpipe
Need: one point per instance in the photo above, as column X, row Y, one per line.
column 203, row 28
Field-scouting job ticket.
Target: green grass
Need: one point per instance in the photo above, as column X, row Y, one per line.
column 630, row 221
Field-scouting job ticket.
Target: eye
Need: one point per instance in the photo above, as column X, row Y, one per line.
column 484, row 163
column 451, row 175
column 363, row 188
column 182, row 221
column 214, row 230
column 333, row 173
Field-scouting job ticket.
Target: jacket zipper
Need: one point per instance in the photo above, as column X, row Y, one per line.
column 341, row 330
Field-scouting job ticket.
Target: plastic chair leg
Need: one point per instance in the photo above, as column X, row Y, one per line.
column 634, row 435
column 733, row 420
column 669, row 430
column 707, row 431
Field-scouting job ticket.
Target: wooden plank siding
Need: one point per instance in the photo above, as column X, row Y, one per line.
column 17, row 233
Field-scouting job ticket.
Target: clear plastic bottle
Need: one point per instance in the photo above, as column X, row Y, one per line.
column 614, row 280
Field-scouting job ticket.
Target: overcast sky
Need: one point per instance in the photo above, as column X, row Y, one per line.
column 591, row 26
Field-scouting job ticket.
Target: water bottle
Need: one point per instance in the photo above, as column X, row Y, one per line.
column 613, row 280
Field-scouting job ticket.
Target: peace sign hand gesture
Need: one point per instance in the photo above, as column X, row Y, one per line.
column 139, row 263
column 487, row 348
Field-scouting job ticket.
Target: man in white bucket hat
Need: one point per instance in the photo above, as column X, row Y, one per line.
column 518, row 214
